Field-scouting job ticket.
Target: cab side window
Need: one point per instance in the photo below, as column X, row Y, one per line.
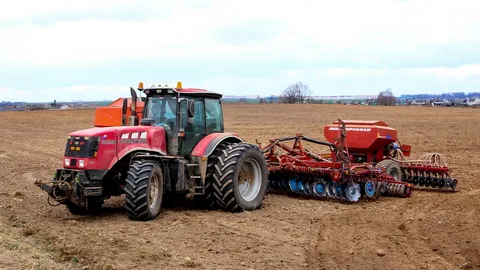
column 214, row 118
column 199, row 117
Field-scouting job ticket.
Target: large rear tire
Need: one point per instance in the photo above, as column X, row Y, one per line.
column 391, row 167
column 240, row 178
column 208, row 200
column 144, row 190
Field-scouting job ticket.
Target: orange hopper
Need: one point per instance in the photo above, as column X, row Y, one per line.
column 112, row 114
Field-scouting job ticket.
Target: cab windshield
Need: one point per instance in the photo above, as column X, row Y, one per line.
column 163, row 110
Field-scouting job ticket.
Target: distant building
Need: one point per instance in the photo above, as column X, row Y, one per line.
column 438, row 103
column 12, row 106
column 419, row 102
column 473, row 102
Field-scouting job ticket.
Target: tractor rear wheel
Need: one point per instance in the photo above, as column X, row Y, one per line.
column 240, row 178
column 392, row 168
column 208, row 200
column 144, row 190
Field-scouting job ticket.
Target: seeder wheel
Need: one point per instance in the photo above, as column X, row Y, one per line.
column 391, row 167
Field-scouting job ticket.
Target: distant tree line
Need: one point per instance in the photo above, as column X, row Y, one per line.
column 299, row 93
column 453, row 95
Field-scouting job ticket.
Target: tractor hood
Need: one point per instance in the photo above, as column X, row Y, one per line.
column 120, row 132
column 111, row 144
column 140, row 136
column 93, row 132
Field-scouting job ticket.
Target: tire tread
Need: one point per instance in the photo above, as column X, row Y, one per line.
column 136, row 190
column 224, row 175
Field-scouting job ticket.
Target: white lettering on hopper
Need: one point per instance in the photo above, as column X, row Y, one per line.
column 352, row 129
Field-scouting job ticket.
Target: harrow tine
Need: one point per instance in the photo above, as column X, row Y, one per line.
column 454, row 184
column 293, row 184
column 441, row 182
column 341, row 191
column 370, row 188
column 333, row 190
column 300, row 187
column 284, row 184
column 328, row 190
column 272, row 182
column 320, row 189
column 308, row 188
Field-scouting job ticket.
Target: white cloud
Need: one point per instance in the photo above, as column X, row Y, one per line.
column 22, row 9
column 311, row 30
column 448, row 73
column 456, row 73
column 349, row 72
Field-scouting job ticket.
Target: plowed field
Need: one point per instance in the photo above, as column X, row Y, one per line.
column 430, row 230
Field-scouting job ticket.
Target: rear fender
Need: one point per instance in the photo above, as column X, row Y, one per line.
column 207, row 145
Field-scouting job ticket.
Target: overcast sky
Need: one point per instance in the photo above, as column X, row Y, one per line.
column 72, row 50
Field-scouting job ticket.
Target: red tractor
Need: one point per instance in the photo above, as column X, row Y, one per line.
column 179, row 147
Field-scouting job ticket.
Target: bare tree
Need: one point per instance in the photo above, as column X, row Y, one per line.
column 296, row 93
column 386, row 98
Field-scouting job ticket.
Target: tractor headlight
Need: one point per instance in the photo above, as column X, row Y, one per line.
column 81, row 163
column 67, row 162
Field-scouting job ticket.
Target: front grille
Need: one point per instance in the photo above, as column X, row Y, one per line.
column 81, row 147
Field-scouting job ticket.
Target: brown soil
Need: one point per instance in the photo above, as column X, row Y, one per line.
column 430, row 230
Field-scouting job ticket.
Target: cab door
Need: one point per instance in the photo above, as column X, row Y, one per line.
column 197, row 130
column 214, row 116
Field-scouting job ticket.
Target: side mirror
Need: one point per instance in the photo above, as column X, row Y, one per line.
column 133, row 108
column 124, row 111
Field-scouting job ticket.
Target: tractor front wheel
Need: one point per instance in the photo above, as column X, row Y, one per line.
column 144, row 190
column 240, row 177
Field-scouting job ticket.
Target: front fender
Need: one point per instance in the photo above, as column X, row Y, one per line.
column 207, row 145
column 129, row 151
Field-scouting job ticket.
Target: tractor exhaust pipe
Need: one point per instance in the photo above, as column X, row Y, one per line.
column 124, row 112
column 133, row 107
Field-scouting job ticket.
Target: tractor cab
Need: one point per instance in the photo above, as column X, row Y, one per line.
column 187, row 114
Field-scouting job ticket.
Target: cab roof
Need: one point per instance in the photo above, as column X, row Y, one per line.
column 181, row 91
